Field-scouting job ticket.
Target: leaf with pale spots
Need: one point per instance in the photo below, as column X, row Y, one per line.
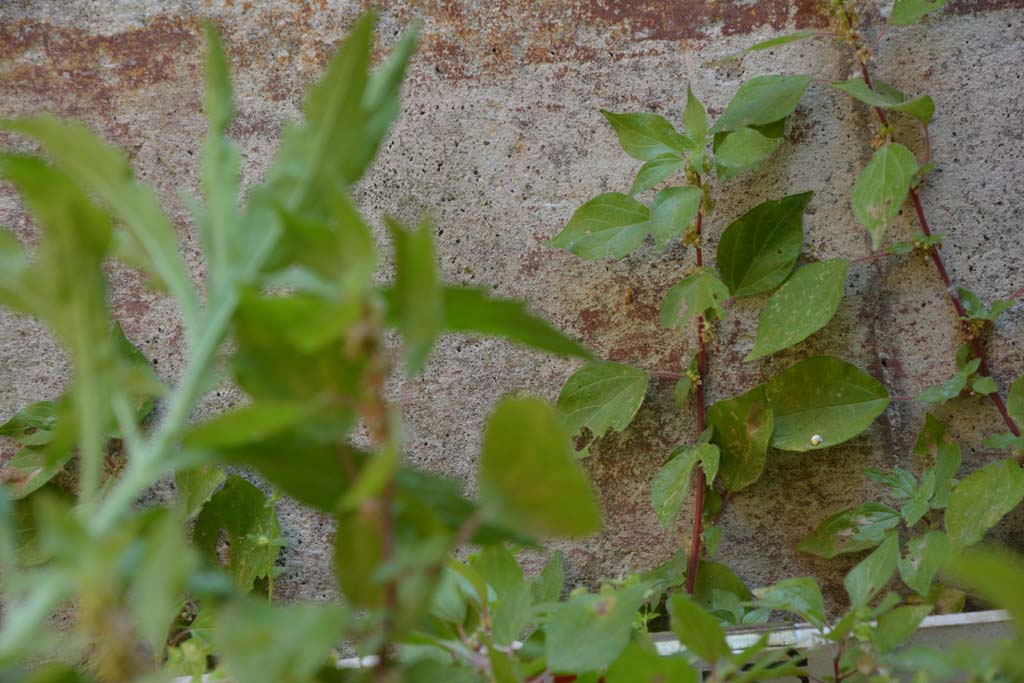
column 701, row 293
column 801, row 307
column 743, row 426
column 881, row 189
column 926, row 556
column 849, row 531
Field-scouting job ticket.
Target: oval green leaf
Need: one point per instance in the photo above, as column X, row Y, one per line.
column 981, row 500
column 602, row 396
column 610, row 225
column 763, row 99
column 646, row 136
column 743, row 426
column 674, row 209
column 881, row 189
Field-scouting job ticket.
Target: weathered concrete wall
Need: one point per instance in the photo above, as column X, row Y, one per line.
column 500, row 140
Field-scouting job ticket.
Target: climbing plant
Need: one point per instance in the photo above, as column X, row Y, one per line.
column 291, row 310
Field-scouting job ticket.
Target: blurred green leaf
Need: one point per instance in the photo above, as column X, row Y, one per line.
column 780, row 40
column 697, row 630
column 801, row 307
column 419, row 291
column 547, row 587
column 196, row 486
column 897, row 626
column 758, row 250
column 851, row 530
column 825, row 397
column 610, row 225
column 588, row 632
column 937, row 450
column 800, row 596
column 637, row 664
column 528, row 476
column 994, row 575
column 926, row 556
column 159, row 579
column 981, row 500
column 906, row 12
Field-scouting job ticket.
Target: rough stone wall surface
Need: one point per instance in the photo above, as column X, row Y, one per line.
column 500, row 140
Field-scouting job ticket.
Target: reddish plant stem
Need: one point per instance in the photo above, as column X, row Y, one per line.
column 940, row 267
column 698, row 506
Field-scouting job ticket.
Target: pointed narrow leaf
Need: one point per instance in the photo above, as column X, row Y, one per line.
column 872, row 574
column 418, row 287
column 780, row 40
column 671, row 484
column 602, row 396
column 825, row 397
column 981, row 500
column 646, row 136
column 695, row 118
column 762, row 99
column 906, row 12
column 758, row 250
column 743, row 426
column 939, row 452
column 881, row 189
column 921, row 108
column 801, row 307
column 529, row 477
column 673, row 211
column 610, row 225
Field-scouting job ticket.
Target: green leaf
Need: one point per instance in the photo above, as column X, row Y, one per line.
column 801, row 307
column 547, row 587
column 926, row 556
column 588, row 632
column 14, row 270
column 1015, row 400
column 873, row 573
column 897, row 626
column 921, row 108
column 939, row 452
column 247, row 425
column 418, row 288
column 981, row 500
column 601, row 397
column 743, row 426
column 655, row 171
column 646, row 136
column 698, row 294
column 780, row 40
column 528, row 476
column 196, row 486
column 159, row 580
column 825, row 397
column 994, row 574
column 742, row 150
column 977, row 310
column 248, row 518
column 881, row 189
column 695, row 119
column 697, row 630
column 640, row 665
column 467, row 309
column 671, row 484
column 673, row 211
column 33, row 425
column 761, row 100
column 851, row 530
column 1005, row 440
column 983, row 386
column 610, row 225
column 800, row 596
column 250, row 637
column 951, row 388
column 758, row 250
column 102, row 170
column 906, row 12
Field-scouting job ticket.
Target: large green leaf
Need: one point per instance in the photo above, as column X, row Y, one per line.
column 588, row 632
column 801, row 307
column 921, row 108
column 697, row 630
column 467, row 309
column 872, row 574
column 249, row 520
column 908, row 11
column 743, row 426
column 673, row 211
column 761, row 100
column 256, row 648
column 698, row 294
column 758, row 250
column 743, row 150
column 637, row 664
column 800, row 596
column 938, row 451
column 671, row 484
column 851, row 530
column 982, row 499
column 610, row 225
column 926, row 556
column 881, row 189
column 646, row 136
column 602, row 396
column 529, row 478
column 418, row 288
column 824, row 397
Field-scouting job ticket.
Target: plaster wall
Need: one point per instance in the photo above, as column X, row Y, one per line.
column 500, row 140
